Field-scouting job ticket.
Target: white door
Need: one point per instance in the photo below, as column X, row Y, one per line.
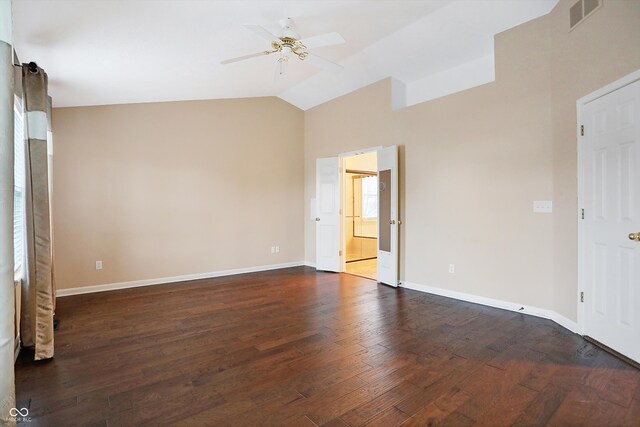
column 328, row 214
column 388, row 215
column 612, row 217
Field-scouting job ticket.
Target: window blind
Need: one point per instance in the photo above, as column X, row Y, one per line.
column 19, row 195
column 370, row 197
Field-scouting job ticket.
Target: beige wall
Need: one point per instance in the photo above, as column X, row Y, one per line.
column 598, row 51
column 158, row 190
column 472, row 163
column 167, row 189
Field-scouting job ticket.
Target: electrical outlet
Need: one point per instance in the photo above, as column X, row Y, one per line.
column 273, row 249
column 98, row 265
column 277, row 249
column 452, row 268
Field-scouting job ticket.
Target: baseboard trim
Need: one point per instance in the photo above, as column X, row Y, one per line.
column 563, row 321
column 491, row 302
column 164, row 280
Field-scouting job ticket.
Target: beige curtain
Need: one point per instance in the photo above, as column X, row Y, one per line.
column 7, row 296
column 38, row 298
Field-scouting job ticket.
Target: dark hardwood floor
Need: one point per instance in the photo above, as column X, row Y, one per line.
column 300, row 348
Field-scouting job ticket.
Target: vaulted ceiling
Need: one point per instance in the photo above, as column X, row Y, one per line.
column 129, row 51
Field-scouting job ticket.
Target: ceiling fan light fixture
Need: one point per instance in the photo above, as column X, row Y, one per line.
column 290, row 43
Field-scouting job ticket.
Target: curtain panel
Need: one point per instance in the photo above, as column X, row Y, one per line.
column 7, row 296
column 38, row 297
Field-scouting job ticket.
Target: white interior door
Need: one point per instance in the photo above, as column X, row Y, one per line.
column 388, row 216
column 612, row 217
column 328, row 214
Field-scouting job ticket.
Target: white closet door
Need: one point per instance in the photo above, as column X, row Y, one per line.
column 612, row 220
column 328, row 214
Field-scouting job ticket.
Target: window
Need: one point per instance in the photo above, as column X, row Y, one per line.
column 19, row 194
column 370, row 197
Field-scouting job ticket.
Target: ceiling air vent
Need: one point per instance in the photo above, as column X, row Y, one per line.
column 581, row 10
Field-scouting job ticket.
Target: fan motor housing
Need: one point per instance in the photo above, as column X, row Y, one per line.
column 292, row 43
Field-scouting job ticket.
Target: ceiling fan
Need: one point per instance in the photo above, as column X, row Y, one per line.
column 290, row 44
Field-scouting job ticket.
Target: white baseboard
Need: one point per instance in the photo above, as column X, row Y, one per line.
column 563, row 321
column 163, row 280
column 491, row 302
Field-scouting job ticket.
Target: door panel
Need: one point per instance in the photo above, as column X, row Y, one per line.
column 328, row 211
column 384, row 183
column 388, row 216
column 612, row 213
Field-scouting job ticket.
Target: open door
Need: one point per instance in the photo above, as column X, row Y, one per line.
column 388, row 216
column 328, row 211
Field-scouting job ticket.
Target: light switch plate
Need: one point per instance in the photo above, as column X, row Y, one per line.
column 543, row 206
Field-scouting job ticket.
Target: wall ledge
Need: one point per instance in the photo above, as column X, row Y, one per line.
column 491, row 302
column 477, row 72
column 165, row 280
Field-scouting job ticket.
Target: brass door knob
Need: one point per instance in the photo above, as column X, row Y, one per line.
column 317, row 218
column 634, row 236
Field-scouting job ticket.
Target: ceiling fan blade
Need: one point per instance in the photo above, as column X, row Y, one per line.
column 320, row 62
column 329, row 39
column 242, row 58
column 262, row 32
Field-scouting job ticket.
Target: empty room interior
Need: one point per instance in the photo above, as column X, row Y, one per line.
column 320, row 213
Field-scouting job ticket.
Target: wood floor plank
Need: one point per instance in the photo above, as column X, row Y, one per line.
column 390, row 417
column 336, row 408
column 542, row 408
column 303, row 348
column 366, row 411
column 582, row 406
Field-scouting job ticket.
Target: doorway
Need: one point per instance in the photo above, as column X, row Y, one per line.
column 360, row 215
column 609, row 196
column 329, row 211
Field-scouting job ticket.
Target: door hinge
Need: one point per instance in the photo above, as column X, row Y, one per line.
column 582, row 213
column 581, row 296
column 340, row 252
column 581, row 130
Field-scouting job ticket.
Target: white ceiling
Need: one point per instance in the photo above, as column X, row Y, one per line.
column 100, row 52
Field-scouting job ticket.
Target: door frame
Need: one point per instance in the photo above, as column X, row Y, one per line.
column 343, row 202
column 580, row 104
